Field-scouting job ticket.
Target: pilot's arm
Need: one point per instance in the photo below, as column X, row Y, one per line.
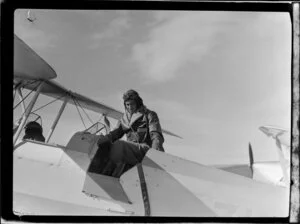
column 155, row 132
column 112, row 136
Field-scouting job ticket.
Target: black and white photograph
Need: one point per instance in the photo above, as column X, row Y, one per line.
column 164, row 113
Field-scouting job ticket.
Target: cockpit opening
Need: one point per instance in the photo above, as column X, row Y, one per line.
column 100, row 161
column 34, row 131
column 102, row 164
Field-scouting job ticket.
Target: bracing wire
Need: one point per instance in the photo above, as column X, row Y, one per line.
column 78, row 112
column 101, row 116
column 34, row 89
column 41, row 106
column 49, row 103
column 85, row 113
column 16, row 86
column 15, row 93
column 30, row 83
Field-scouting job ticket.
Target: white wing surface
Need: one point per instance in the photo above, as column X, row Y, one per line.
column 28, row 64
column 179, row 187
column 55, row 90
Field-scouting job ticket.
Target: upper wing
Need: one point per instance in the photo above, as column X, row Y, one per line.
column 28, row 64
column 26, row 204
column 55, row 90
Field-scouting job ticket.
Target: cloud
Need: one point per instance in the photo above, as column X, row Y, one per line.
column 175, row 39
column 114, row 29
column 177, row 116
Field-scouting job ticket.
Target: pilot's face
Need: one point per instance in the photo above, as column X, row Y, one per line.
column 130, row 106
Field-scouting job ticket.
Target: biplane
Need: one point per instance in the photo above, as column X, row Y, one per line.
column 53, row 179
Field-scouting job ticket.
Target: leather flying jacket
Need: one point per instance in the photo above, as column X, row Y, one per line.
column 143, row 127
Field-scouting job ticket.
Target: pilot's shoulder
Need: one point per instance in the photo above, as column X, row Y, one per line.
column 151, row 114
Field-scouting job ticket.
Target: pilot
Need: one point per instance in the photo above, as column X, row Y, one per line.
column 34, row 131
column 142, row 129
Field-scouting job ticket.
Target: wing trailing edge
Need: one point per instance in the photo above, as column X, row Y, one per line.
column 28, row 64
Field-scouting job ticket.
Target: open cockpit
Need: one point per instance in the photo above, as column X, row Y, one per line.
column 86, row 142
column 82, row 143
column 74, row 159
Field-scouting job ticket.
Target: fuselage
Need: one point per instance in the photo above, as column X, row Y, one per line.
column 48, row 177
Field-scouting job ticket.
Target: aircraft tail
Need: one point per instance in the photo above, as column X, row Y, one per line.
column 281, row 138
column 283, row 162
column 266, row 172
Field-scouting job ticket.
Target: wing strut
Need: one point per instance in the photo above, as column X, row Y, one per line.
column 28, row 110
column 144, row 189
column 57, row 118
column 24, row 98
column 21, row 100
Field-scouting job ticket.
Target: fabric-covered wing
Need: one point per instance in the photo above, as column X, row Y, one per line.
column 55, row 90
column 28, row 64
column 240, row 169
column 198, row 190
column 25, row 204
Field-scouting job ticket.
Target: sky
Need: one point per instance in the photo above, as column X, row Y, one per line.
column 212, row 77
